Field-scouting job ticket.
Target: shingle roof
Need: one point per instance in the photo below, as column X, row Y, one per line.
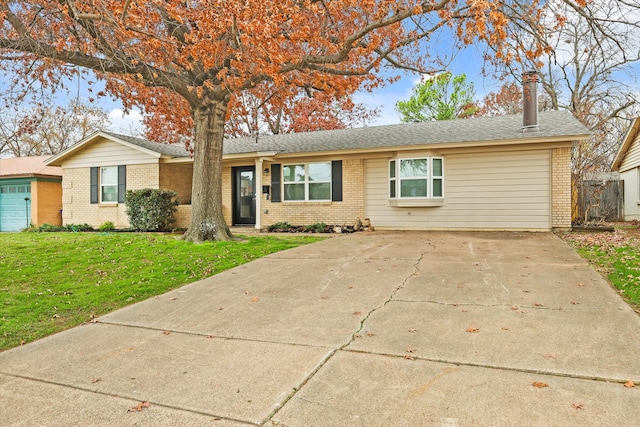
column 553, row 124
column 28, row 166
column 173, row 150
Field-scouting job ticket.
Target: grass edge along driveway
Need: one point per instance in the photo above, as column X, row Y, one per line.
column 50, row 282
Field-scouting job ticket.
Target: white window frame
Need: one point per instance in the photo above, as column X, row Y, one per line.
column 103, row 184
column 306, row 182
column 396, row 182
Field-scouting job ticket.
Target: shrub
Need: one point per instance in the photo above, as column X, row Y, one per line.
column 107, row 226
column 280, row 226
column 48, row 228
column 150, row 209
column 318, row 227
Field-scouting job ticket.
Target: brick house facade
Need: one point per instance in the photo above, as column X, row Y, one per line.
column 473, row 174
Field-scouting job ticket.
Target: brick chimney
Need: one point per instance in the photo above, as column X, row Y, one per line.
column 530, row 102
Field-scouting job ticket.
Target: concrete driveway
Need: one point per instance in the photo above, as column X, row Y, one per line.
column 372, row 329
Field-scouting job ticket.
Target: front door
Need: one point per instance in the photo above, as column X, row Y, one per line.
column 244, row 196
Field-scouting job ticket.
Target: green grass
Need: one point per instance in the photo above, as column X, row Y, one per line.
column 53, row 281
column 615, row 256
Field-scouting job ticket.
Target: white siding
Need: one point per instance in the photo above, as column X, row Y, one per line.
column 632, row 158
column 482, row 191
column 107, row 153
column 631, row 180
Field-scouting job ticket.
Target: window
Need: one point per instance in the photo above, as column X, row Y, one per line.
column 109, row 184
column 418, row 178
column 307, row 182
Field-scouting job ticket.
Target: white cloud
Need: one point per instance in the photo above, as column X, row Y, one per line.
column 130, row 124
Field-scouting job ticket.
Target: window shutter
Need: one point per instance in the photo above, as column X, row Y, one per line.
column 122, row 182
column 93, row 185
column 336, row 181
column 275, row 182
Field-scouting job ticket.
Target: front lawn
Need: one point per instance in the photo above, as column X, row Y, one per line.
column 615, row 255
column 53, row 281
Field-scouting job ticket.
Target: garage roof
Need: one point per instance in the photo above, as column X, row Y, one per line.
column 28, row 166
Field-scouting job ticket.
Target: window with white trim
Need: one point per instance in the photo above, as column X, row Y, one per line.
column 307, row 182
column 416, row 178
column 109, row 184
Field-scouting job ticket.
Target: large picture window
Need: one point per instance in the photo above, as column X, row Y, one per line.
column 416, row 178
column 307, row 182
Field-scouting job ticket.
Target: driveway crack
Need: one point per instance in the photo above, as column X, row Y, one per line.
column 416, row 269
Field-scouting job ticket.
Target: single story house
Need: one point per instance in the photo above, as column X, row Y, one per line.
column 471, row 174
column 30, row 193
column 627, row 162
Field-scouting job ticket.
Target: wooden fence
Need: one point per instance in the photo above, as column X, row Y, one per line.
column 598, row 201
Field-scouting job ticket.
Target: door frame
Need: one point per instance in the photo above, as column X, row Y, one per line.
column 235, row 195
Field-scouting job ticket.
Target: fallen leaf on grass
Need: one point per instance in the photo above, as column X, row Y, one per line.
column 473, row 330
column 629, row 384
column 539, row 384
column 139, row 407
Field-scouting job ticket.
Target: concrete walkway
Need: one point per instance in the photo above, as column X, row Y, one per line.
column 371, row 329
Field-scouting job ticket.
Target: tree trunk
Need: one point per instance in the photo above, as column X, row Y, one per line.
column 207, row 220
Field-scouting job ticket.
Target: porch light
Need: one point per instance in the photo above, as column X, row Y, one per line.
column 265, row 171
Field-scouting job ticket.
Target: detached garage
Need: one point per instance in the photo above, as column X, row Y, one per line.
column 30, row 193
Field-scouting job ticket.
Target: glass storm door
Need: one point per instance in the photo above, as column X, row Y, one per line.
column 244, row 196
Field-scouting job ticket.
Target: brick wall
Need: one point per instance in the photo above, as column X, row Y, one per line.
column 305, row 213
column 46, row 202
column 561, row 187
column 76, row 206
column 177, row 177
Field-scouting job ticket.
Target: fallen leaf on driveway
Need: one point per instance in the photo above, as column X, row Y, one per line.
column 473, row 330
column 629, row 384
column 255, row 299
column 537, row 304
column 578, row 406
column 539, row 384
column 96, row 380
column 549, row 356
column 167, row 332
column 139, row 407
column 411, row 331
column 356, row 313
column 411, row 350
column 409, row 357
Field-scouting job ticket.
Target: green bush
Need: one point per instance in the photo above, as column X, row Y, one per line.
column 77, row 227
column 318, row 227
column 48, row 228
column 280, row 226
column 107, row 226
column 150, row 209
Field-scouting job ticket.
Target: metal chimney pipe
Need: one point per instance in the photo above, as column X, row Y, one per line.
column 530, row 102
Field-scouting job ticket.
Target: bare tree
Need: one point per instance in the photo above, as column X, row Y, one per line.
column 49, row 130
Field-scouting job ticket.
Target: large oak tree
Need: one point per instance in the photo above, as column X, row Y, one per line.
column 183, row 61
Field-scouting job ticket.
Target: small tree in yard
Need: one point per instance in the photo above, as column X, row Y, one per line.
column 151, row 209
